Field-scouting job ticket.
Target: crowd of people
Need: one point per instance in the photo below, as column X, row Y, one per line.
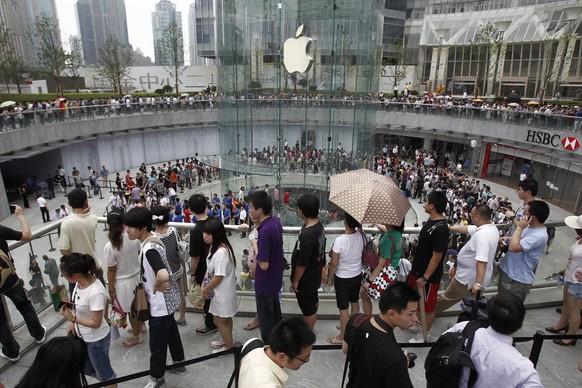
column 143, row 249
column 26, row 114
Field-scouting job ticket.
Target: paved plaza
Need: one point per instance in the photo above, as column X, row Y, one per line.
column 557, row 365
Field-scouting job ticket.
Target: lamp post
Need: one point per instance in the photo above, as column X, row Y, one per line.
column 441, row 32
column 501, row 26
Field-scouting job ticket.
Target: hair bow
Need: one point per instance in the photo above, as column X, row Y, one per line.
column 157, row 218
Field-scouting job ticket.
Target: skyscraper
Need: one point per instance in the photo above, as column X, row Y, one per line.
column 201, row 31
column 164, row 15
column 18, row 17
column 97, row 20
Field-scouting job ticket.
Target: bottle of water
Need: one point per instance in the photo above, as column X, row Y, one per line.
column 560, row 282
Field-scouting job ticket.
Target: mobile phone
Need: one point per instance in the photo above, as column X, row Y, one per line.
column 69, row 305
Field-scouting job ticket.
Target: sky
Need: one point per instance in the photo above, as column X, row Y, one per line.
column 139, row 21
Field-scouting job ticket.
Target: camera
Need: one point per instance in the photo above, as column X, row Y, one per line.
column 411, row 358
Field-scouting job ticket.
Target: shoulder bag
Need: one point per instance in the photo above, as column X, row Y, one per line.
column 384, row 278
column 369, row 256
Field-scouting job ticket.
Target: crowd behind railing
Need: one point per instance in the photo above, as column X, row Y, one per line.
column 552, row 115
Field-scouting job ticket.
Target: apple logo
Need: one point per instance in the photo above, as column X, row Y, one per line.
column 296, row 56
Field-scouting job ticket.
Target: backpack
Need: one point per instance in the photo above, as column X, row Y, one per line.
column 450, row 353
column 357, row 321
column 8, row 277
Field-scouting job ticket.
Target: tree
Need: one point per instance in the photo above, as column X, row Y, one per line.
column 51, row 56
column 74, row 62
column 255, row 85
column 343, row 66
column 394, row 64
column 172, row 51
column 12, row 67
column 482, row 46
column 114, row 62
column 302, row 82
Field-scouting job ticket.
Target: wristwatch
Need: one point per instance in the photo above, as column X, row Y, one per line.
column 424, row 278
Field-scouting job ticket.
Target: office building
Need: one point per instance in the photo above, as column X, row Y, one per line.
column 202, row 32
column 164, row 16
column 97, row 20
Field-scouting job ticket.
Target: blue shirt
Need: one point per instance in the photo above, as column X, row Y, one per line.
column 519, row 266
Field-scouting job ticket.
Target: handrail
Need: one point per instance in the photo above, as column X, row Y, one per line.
column 43, row 117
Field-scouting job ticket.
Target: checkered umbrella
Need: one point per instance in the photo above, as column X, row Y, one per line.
column 369, row 197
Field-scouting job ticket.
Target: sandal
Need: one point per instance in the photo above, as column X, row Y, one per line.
column 252, row 325
column 334, row 341
column 181, row 322
column 132, row 341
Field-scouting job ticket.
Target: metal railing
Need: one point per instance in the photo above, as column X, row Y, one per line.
column 41, row 117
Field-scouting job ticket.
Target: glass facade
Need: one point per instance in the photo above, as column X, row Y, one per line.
column 533, row 46
column 346, row 52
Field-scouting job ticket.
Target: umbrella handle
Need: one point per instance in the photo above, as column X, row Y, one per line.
column 422, row 311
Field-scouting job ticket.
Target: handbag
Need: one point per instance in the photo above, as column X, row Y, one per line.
column 369, row 256
column 195, row 296
column 183, row 247
column 384, row 278
column 382, row 281
column 140, row 306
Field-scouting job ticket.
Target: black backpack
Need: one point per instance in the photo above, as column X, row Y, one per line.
column 450, row 353
column 8, row 277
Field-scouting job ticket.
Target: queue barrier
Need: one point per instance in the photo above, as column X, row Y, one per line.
column 538, row 341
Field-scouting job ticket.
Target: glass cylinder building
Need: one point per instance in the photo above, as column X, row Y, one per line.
column 259, row 43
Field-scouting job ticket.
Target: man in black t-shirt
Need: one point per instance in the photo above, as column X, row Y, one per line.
column 198, row 253
column 376, row 359
column 308, row 259
column 11, row 348
column 427, row 266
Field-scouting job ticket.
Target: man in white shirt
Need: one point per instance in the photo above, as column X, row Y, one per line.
column 474, row 261
column 44, row 210
column 290, row 346
column 498, row 363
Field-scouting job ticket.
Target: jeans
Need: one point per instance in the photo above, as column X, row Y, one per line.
column 163, row 334
column 269, row 312
column 98, row 364
column 9, row 345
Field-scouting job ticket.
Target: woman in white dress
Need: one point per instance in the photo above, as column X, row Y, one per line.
column 121, row 255
column 220, row 282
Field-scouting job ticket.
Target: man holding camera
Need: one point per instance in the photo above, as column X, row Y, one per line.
column 376, row 359
column 13, row 289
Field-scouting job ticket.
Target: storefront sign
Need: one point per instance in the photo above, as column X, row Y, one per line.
column 569, row 143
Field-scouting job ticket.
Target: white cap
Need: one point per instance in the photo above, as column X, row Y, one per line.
column 574, row 222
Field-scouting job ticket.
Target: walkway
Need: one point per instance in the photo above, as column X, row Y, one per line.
column 557, row 365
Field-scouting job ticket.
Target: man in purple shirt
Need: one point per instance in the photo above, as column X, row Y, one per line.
column 269, row 272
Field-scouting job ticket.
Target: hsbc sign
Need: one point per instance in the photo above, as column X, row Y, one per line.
column 569, row 143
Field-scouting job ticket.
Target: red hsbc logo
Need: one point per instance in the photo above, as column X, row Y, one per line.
column 570, row 143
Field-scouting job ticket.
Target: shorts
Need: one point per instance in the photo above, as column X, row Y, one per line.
column 574, row 289
column 347, row 290
column 308, row 303
column 430, row 293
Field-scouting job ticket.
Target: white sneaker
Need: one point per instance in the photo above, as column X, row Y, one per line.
column 217, row 344
column 12, row 359
column 41, row 340
column 218, row 350
column 155, row 383
column 418, row 339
